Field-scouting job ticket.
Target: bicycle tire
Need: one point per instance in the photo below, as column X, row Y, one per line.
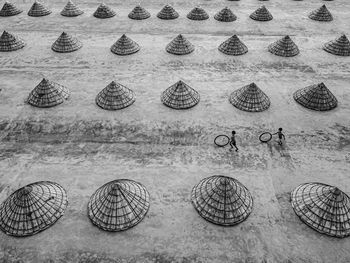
column 217, row 142
column 265, row 140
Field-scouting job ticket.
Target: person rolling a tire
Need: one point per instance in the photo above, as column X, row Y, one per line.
column 280, row 136
column 233, row 141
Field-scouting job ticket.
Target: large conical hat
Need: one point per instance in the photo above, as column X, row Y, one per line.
column 66, row 43
column 225, row 15
column 125, row 46
column 261, row 14
column 180, row 96
column 233, row 46
column 323, row 207
column 9, row 9
column 340, row 46
column 115, row 97
column 222, row 200
column 139, row 13
column 180, row 46
column 167, row 13
column 321, row 14
column 284, row 47
column 10, row 42
column 316, row 97
column 197, row 13
column 38, row 9
column 104, row 11
column 32, row 209
column 71, row 10
column 48, row 94
column 250, row 98
column 118, row 205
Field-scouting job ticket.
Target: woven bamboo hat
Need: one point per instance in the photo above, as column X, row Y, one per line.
column 323, row 207
column 225, row 15
column 104, row 11
column 321, row 14
column 168, row 13
column 222, row 200
column 115, row 97
column 66, row 43
column 10, row 42
column 284, row 47
column 233, row 46
column 250, row 98
column 197, row 13
column 71, row 10
column 316, row 97
column 339, row 46
column 180, row 96
column 180, row 46
column 38, row 9
column 118, row 205
column 139, row 13
column 125, row 46
column 32, row 208
column 261, row 14
column 48, row 94
column 9, row 9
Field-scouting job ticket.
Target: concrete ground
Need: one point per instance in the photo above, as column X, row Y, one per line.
column 81, row 146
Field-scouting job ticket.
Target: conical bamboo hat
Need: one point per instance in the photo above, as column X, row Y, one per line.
column 233, row 46
column 197, row 13
column 167, row 13
column 250, row 98
column 48, row 94
column 284, row 47
column 225, row 15
column 339, row 47
column 9, row 9
column 38, row 9
column 261, row 14
column 180, row 96
column 180, row 46
column 10, row 42
column 32, row 209
column 104, row 11
column 66, row 43
column 125, row 46
column 118, row 205
column 139, row 13
column 316, row 97
column 222, row 200
column 321, row 14
column 323, row 207
column 115, row 97
column 71, row 10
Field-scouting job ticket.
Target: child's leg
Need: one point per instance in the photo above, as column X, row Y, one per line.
column 235, row 147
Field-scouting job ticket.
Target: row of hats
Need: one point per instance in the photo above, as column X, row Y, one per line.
column 180, row 45
column 167, row 12
column 181, row 96
column 121, row 204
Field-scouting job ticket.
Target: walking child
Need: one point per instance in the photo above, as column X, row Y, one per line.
column 233, row 141
column 280, row 136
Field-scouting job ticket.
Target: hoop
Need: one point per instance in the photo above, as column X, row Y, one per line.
column 265, row 137
column 221, row 140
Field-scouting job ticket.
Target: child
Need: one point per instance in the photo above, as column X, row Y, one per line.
column 233, row 141
column 280, row 136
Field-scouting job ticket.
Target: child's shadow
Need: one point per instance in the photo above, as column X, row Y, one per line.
column 281, row 149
